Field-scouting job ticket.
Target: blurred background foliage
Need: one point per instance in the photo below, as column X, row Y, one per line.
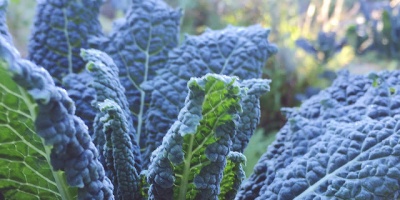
column 316, row 38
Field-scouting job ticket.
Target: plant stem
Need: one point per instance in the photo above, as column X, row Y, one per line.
column 186, row 171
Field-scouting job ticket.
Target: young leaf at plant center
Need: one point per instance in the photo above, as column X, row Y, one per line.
column 105, row 81
column 233, row 51
column 191, row 159
column 233, row 175
column 118, row 151
column 108, row 88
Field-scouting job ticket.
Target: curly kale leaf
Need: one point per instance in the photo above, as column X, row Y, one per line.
column 233, row 175
column 22, row 150
column 61, row 29
column 119, row 156
column 24, row 159
column 236, row 51
column 250, row 116
column 190, row 162
column 139, row 46
column 105, row 82
column 350, row 161
column 108, row 87
column 72, row 150
column 342, row 143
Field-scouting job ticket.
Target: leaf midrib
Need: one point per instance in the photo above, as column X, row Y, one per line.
column 60, row 180
column 313, row 187
column 186, row 170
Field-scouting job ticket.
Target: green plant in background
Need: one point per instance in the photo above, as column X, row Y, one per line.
column 323, row 48
column 256, row 148
column 19, row 21
column 380, row 30
column 281, row 91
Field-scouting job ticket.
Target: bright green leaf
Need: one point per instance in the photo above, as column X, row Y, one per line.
column 191, row 161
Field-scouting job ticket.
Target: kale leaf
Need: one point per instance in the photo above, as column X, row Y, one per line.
column 72, row 149
column 342, row 143
column 233, row 51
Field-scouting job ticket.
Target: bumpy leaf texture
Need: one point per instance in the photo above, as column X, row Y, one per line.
column 61, row 29
column 250, row 116
column 139, row 46
column 22, row 150
column 119, row 156
column 236, row 51
column 107, row 86
column 123, row 5
column 72, row 150
column 343, row 143
column 191, row 159
column 233, row 175
column 3, row 24
column 78, row 88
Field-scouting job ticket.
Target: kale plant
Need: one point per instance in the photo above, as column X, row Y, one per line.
column 134, row 115
column 343, row 143
column 324, row 48
column 380, row 32
column 129, row 115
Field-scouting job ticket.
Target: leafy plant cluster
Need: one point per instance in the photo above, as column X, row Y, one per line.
column 158, row 120
column 147, row 127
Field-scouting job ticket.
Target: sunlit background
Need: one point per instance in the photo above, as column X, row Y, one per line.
column 316, row 38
